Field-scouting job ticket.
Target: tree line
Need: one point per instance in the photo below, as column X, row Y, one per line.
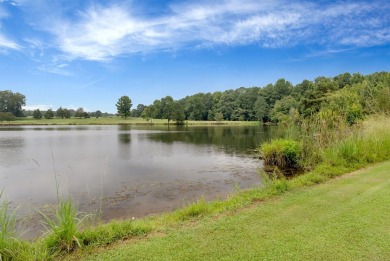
column 348, row 95
column 65, row 113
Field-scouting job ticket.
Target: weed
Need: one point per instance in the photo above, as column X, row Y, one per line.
column 64, row 227
column 8, row 242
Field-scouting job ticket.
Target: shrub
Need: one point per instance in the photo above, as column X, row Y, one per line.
column 284, row 153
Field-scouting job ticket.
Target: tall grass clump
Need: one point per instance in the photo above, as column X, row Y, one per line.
column 321, row 131
column 64, row 227
column 368, row 144
column 284, row 153
column 8, row 242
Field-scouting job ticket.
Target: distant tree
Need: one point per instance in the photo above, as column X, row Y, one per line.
column 49, row 114
column 37, row 114
column 260, row 108
column 71, row 113
column 67, row 113
column 148, row 113
column 138, row 111
column 284, row 109
column 6, row 116
column 79, row 113
column 60, row 113
column 178, row 113
column 123, row 106
column 12, row 102
column 86, row 115
column 167, row 105
column 218, row 116
column 98, row 114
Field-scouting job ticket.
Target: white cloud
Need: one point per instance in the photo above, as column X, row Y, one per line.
column 7, row 43
column 41, row 107
column 102, row 32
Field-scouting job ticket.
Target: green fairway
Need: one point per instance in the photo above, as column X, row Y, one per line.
column 344, row 219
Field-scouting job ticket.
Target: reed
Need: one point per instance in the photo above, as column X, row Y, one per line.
column 8, row 241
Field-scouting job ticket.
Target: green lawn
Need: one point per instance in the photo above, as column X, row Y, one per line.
column 343, row 219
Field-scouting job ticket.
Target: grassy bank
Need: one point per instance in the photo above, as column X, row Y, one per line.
column 117, row 121
column 345, row 219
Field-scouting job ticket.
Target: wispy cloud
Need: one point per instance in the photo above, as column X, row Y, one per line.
column 41, row 107
column 6, row 42
column 101, row 32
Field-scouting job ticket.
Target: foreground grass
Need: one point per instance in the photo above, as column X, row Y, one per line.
column 345, row 219
column 117, row 121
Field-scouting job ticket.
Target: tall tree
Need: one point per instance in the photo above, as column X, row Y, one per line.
column 12, row 102
column 98, row 114
column 167, row 105
column 123, row 106
column 148, row 113
column 79, row 113
column 37, row 114
column 49, row 114
column 60, row 113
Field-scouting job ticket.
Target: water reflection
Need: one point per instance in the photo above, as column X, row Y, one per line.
column 229, row 139
column 11, row 150
column 124, row 138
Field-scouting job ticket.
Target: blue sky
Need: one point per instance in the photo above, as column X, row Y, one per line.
column 73, row 53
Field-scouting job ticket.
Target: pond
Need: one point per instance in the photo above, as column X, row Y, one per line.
column 126, row 171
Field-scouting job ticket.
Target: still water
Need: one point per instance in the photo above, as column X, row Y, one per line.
column 127, row 171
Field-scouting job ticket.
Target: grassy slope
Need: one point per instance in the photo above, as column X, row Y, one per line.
column 343, row 219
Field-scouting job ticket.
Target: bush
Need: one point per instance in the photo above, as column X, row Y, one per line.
column 284, row 153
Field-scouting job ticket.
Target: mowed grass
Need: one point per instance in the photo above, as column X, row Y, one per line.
column 346, row 218
column 117, row 121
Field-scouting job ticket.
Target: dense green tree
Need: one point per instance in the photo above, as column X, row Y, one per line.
column 227, row 105
column 60, row 113
column 260, row 109
column 195, row 107
column 49, row 114
column 6, row 116
column 148, row 113
column 218, row 116
column 37, row 114
column 168, row 108
column 178, row 113
column 284, row 109
column 86, row 115
column 343, row 79
column 282, row 88
column 137, row 111
column 98, row 114
column 12, row 102
column 79, row 113
column 123, row 106
column 316, row 94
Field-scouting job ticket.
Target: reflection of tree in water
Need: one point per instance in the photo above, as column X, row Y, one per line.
column 11, row 149
column 230, row 139
column 124, row 138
